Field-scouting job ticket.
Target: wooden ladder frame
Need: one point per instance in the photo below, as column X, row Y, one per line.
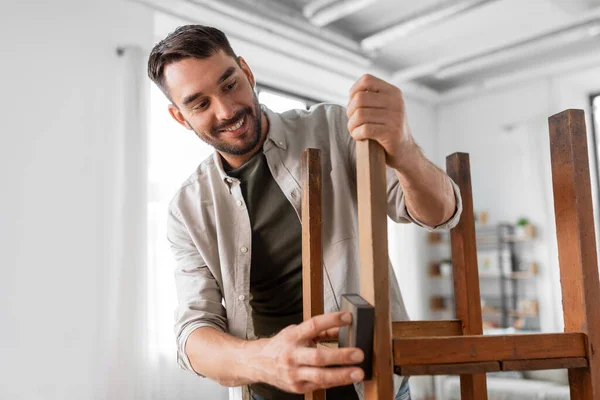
column 458, row 346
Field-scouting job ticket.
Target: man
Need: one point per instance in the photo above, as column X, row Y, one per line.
column 234, row 225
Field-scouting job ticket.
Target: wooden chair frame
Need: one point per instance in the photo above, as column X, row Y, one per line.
column 459, row 346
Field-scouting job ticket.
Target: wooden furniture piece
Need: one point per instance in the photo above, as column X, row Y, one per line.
column 458, row 346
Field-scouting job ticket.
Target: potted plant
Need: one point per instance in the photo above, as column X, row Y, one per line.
column 524, row 229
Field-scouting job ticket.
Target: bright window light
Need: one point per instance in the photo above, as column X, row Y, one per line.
column 174, row 154
column 279, row 103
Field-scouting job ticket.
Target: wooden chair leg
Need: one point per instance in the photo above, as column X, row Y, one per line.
column 374, row 264
column 576, row 243
column 467, row 298
column 312, row 252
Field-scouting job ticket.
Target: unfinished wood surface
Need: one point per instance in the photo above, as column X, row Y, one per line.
column 576, row 242
column 331, row 345
column 467, row 299
column 449, row 369
column 403, row 329
column 442, row 350
column 374, row 268
column 312, row 273
column 548, row 363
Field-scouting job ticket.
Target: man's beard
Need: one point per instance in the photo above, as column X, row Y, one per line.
column 253, row 136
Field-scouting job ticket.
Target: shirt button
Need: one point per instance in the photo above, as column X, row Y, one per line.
column 281, row 143
column 239, row 202
column 294, row 193
column 229, row 180
column 244, row 249
column 241, row 297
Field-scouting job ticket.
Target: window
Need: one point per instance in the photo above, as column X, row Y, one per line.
column 595, row 104
column 174, row 153
column 279, row 100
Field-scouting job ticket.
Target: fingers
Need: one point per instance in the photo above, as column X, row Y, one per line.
column 372, row 84
column 325, row 378
column 373, row 116
column 328, row 334
column 324, row 356
column 367, row 100
column 311, row 328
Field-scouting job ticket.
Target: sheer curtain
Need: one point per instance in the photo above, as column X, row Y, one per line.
column 123, row 332
column 152, row 156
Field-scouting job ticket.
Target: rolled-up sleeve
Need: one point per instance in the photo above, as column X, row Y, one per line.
column 198, row 293
column 398, row 211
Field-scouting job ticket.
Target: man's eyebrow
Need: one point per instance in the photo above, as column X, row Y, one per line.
column 226, row 74
column 189, row 99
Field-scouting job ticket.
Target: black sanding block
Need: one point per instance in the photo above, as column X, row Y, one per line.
column 360, row 332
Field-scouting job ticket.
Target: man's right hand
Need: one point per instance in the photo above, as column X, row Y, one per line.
column 291, row 361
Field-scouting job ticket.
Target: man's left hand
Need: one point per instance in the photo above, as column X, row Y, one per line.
column 376, row 111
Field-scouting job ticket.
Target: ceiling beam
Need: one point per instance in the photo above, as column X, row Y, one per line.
column 581, row 28
column 314, row 6
column 522, row 50
column 281, row 20
column 324, row 12
column 430, row 16
column 526, row 75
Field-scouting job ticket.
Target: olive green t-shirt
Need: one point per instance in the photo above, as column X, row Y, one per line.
column 276, row 266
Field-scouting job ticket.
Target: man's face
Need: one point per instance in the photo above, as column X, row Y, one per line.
column 215, row 98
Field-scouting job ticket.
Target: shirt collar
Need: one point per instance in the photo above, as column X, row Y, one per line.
column 276, row 128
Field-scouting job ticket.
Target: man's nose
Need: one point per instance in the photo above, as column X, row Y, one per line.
column 224, row 109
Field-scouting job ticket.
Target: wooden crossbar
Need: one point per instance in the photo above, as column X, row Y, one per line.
column 449, row 369
column 548, row 363
column 491, row 366
column 476, row 348
column 407, row 329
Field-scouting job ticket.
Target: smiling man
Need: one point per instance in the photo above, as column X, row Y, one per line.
column 234, row 225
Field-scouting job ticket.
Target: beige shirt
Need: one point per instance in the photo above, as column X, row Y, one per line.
column 210, row 234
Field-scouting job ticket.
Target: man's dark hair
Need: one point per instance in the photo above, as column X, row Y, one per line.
column 188, row 41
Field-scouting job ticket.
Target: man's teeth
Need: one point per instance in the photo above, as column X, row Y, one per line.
column 236, row 126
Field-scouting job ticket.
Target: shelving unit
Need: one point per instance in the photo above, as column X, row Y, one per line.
column 503, row 276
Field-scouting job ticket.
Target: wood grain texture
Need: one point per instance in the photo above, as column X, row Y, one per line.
column 374, row 267
column 404, row 329
column 548, row 363
column 312, row 251
column 576, row 242
column 442, row 350
column 467, row 299
column 449, row 369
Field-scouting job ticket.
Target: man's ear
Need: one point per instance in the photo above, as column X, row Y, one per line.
column 178, row 116
column 247, row 71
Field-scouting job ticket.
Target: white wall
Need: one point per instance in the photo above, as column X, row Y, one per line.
column 59, row 125
column 506, row 133
column 407, row 242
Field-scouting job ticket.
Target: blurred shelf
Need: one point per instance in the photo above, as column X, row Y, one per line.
column 515, row 275
column 498, row 256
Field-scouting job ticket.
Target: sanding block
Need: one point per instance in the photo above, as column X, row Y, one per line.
column 360, row 332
